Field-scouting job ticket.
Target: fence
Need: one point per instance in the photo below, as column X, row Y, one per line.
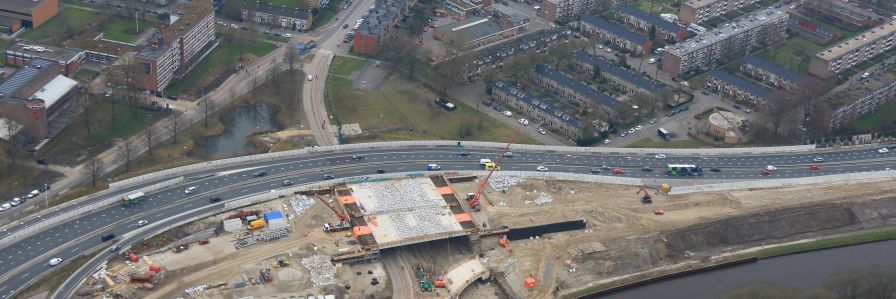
column 785, row 182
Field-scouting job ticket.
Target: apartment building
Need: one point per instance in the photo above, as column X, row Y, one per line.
column 464, row 7
column 571, row 89
column 15, row 14
column 173, row 46
column 379, row 20
column 769, row 73
column 643, row 20
column 537, row 109
column 628, row 81
column 615, row 34
column 276, row 16
column 841, row 14
column 854, row 51
column 23, row 52
column 566, row 10
column 858, row 99
column 696, row 11
column 727, row 83
column 714, row 48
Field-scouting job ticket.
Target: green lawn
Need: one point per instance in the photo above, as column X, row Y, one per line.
column 4, row 43
column 647, row 142
column 402, row 110
column 86, row 75
column 344, row 65
column 787, row 54
column 222, row 59
column 69, row 21
column 880, row 119
column 851, row 239
column 125, row 30
column 658, row 7
column 324, row 16
column 74, row 140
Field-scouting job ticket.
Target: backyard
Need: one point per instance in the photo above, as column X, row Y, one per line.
column 125, row 30
column 69, row 22
column 219, row 63
column 659, row 6
column 792, row 54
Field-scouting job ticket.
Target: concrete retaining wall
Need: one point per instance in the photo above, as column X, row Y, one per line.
column 772, row 183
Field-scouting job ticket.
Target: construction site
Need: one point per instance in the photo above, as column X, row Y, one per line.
column 454, row 236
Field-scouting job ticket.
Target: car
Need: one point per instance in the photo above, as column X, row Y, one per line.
column 607, row 141
column 173, row 98
column 214, row 199
column 508, row 154
column 595, row 170
column 287, row 183
column 608, row 50
column 623, row 134
column 646, row 168
column 287, row 35
column 541, row 168
column 618, row 171
column 631, row 131
column 737, row 106
column 32, row 194
column 310, row 78
column 344, row 26
column 55, row 261
column 883, row 150
column 818, row 160
column 715, row 169
column 542, row 131
column 142, row 223
column 605, row 167
column 638, row 128
column 770, row 168
column 865, row 75
column 380, row 171
column 16, row 201
column 670, row 114
column 685, row 83
column 260, row 173
column 813, row 167
column 115, row 248
column 653, row 121
column 328, row 177
column 508, row 113
column 463, row 154
column 706, row 93
column 651, row 61
column 748, row 111
column 357, row 157
column 524, row 121
column 660, row 156
column 190, row 190
column 600, row 46
column 766, row 172
column 5, row 207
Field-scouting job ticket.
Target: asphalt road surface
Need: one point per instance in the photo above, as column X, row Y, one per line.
column 22, row 261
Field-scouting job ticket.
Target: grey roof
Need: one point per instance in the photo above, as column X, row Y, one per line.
column 655, row 20
column 614, row 29
column 514, row 14
column 152, row 52
column 619, row 72
column 579, row 87
column 710, row 38
column 740, row 83
column 18, row 5
column 772, row 68
column 545, row 107
column 473, row 28
column 48, row 52
column 24, row 76
column 380, row 17
column 260, row 6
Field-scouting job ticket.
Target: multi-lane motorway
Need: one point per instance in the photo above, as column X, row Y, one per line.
column 25, row 259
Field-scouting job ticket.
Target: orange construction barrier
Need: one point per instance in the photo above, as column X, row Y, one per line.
column 361, row 230
column 347, row 199
column 529, row 283
column 446, row 190
column 463, row 217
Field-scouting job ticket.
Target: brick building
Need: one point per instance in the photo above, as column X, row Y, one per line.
column 474, row 32
column 276, row 16
column 566, row 10
column 615, row 34
column 377, row 23
column 538, row 109
column 696, row 11
column 175, row 45
column 643, row 20
column 841, row 14
column 23, row 52
column 769, row 73
column 718, row 47
column 859, row 99
column 727, row 83
column 854, row 51
column 569, row 88
column 41, row 96
column 621, row 77
column 27, row 13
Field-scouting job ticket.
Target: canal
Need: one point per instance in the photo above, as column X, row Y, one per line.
column 802, row 271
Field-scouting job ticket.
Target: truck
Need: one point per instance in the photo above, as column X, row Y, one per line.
column 304, row 48
column 683, row 169
column 484, row 161
column 664, row 134
column 133, row 199
column 338, row 227
column 445, row 104
column 433, row 167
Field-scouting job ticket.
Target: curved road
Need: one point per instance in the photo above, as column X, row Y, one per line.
column 23, row 260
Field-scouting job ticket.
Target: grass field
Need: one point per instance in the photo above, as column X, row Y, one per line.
column 658, row 6
column 788, row 54
column 344, row 65
column 880, row 119
column 5, row 43
column 86, row 75
column 125, row 30
column 222, row 59
column 849, row 239
column 327, row 14
column 647, row 142
column 69, row 20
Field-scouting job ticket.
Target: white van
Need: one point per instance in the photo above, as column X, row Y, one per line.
column 310, row 77
column 483, row 161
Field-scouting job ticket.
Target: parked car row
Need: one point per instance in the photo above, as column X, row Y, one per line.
column 16, row 201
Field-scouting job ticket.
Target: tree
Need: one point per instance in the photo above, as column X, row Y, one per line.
column 206, row 108
column 561, row 53
column 127, row 149
column 290, row 56
column 779, row 109
column 519, row 66
column 175, row 121
column 4, row 165
column 806, row 92
column 124, row 73
column 595, row 72
column 95, row 167
column 149, row 136
column 401, row 50
column 623, row 60
column 851, row 284
column 651, row 33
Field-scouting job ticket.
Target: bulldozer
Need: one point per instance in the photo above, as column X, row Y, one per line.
column 281, row 262
column 646, row 198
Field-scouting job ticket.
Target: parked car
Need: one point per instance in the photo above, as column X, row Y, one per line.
column 328, row 177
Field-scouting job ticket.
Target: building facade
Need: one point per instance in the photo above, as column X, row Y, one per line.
column 729, row 84
column 175, row 45
column 860, row 99
column 22, row 53
column 615, row 34
column 378, row 22
column 539, row 110
column 29, row 13
column 571, row 89
column 696, row 11
column 276, row 16
column 39, row 94
column 644, row 21
column 566, row 10
column 626, row 80
column 718, row 47
column 769, row 73
column 463, row 7
column 841, row 14
column 854, row 51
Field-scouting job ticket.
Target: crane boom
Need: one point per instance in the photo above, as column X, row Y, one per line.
column 335, row 211
column 475, row 201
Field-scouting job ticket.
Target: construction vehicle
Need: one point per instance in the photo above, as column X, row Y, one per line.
column 335, row 211
column 265, row 276
column 133, row 199
column 474, row 199
column 256, row 224
column 505, row 243
column 474, row 202
column 343, row 223
column 646, row 198
column 281, row 262
column 491, row 166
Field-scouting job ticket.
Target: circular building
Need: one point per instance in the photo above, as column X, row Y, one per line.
column 726, row 125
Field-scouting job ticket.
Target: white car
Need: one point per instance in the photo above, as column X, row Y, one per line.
column 5, row 207
column 55, row 261
column 33, row 193
column 651, row 61
column 631, row 131
column 142, row 223
column 508, row 113
column 600, row 47
column 310, row 78
column 15, row 201
column 770, row 168
column 883, row 151
column 638, row 128
column 865, row 75
column 542, row 131
column 541, row 168
column 819, row 160
column 660, row 156
column 607, row 141
column 524, row 121
column 287, row 35
column 685, row 83
column 189, row 190
column 608, row 50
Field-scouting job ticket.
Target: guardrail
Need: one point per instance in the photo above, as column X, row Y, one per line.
column 61, row 218
column 784, row 182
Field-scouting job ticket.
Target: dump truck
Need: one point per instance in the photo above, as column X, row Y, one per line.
column 133, row 199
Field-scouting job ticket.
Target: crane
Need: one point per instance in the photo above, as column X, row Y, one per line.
column 335, row 211
column 474, row 202
column 647, row 198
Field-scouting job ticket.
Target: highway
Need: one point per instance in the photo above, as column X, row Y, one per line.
column 23, row 260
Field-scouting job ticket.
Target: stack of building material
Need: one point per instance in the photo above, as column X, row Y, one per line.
column 233, row 225
column 275, row 220
column 322, row 270
column 301, row 203
column 543, row 199
column 503, row 183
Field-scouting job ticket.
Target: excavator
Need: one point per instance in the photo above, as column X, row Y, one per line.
column 505, row 243
column 647, row 198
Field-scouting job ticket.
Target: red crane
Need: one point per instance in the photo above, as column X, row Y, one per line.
column 474, row 203
column 335, row 211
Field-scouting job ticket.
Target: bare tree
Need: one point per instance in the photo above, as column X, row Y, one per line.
column 95, row 167
column 149, row 136
column 175, row 121
column 127, row 149
column 806, row 92
column 290, row 56
column 206, row 107
column 124, row 73
column 778, row 109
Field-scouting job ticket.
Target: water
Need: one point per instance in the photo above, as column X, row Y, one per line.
column 803, row 271
column 241, row 122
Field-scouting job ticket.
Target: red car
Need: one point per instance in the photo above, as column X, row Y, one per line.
column 766, row 172
column 617, row 171
column 813, row 167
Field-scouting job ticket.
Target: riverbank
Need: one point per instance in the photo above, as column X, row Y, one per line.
column 734, row 259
